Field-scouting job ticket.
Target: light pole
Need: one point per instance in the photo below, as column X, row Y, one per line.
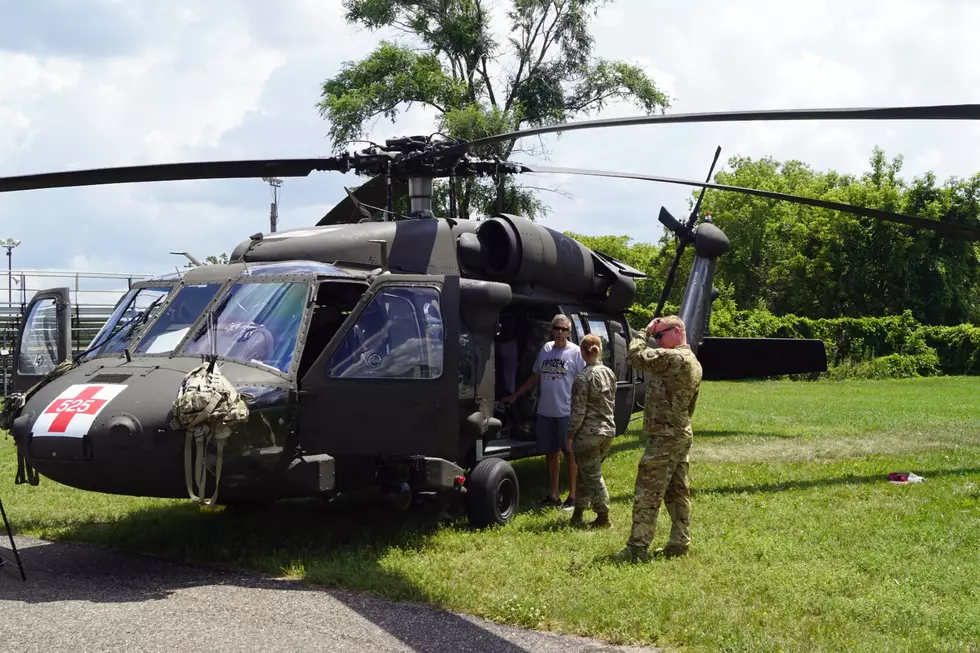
column 9, row 244
column 276, row 184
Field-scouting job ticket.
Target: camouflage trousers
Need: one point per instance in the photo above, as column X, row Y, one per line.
column 590, row 451
column 663, row 476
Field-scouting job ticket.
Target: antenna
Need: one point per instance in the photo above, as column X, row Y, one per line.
column 188, row 256
column 275, row 183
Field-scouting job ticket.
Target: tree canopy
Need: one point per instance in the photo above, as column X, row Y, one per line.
column 795, row 259
column 546, row 73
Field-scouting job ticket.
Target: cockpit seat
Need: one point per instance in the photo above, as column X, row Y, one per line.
column 246, row 342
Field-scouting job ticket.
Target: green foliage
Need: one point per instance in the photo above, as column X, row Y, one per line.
column 791, row 258
column 389, row 77
column 895, row 346
column 550, row 74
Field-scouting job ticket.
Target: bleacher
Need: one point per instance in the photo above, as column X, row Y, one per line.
column 93, row 296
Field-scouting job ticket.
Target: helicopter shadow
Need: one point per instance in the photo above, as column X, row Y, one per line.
column 348, row 541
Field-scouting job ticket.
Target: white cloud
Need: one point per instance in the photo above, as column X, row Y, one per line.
column 139, row 82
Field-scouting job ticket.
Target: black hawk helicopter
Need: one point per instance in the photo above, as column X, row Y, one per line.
column 369, row 348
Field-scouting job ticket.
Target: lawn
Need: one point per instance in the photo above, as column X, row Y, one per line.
column 800, row 543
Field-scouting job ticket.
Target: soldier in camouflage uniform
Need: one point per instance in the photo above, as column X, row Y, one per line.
column 670, row 399
column 591, row 428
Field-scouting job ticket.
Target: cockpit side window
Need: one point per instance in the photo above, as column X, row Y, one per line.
column 38, row 354
column 144, row 306
column 136, row 308
column 399, row 335
column 335, row 300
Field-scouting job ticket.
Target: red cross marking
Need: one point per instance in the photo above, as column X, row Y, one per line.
column 82, row 404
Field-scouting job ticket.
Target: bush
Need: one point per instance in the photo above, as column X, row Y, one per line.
column 895, row 346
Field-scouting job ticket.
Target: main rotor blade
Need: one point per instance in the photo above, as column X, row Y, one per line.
column 373, row 192
column 173, row 172
column 932, row 112
column 970, row 233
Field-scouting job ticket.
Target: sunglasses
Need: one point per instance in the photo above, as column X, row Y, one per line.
column 660, row 334
column 560, row 328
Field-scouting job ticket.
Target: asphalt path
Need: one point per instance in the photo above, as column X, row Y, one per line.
column 80, row 597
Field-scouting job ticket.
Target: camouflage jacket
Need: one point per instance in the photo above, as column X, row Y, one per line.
column 672, row 389
column 593, row 402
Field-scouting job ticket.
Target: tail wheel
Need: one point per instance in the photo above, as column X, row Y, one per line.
column 492, row 493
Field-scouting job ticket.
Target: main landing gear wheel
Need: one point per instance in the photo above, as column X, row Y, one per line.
column 492, row 493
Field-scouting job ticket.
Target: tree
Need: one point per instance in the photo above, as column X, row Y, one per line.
column 211, row 259
column 546, row 74
column 791, row 258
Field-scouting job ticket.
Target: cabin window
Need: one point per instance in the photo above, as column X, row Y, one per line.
column 467, row 363
column 597, row 327
column 39, row 349
column 399, row 335
column 577, row 324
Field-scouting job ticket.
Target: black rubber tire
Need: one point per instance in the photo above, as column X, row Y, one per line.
column 492, row 493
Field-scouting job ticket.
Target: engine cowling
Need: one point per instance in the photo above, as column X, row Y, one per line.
column 511, row 249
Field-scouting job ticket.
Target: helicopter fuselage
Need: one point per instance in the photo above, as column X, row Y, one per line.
column 367, row 354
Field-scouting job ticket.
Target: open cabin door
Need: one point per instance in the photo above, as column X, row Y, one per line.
column 615, row 348
column 387, row 384
column 44, row 340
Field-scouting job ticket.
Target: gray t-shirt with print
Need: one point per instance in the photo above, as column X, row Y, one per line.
column 558, row 369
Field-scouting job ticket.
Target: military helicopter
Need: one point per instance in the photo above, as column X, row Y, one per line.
column 370, row 347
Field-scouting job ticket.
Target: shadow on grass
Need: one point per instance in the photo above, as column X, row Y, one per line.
column 850, row 479
column 340, row 544
column 803, row 484
column 634, row 441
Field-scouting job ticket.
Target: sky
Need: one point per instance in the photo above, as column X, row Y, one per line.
column 105, row 83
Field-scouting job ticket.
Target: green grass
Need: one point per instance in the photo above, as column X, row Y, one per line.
column 800, row 543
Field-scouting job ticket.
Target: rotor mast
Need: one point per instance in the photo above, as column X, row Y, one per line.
column 420, row 195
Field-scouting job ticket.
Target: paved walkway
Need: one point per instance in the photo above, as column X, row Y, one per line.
column 80, row 597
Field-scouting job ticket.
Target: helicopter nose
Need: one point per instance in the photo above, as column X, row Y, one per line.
column 119, row 432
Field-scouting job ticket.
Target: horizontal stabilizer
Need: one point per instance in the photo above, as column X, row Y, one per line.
column 752, row 358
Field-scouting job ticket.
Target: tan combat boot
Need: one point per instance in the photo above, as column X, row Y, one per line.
column 601, row 521
column 632, row 554
column 671, row 551
column 577, row 517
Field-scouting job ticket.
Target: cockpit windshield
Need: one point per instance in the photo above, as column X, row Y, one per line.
column 254, row 322
column 135, row 309
column 178, row 317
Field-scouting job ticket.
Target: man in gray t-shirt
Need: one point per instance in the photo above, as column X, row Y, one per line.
column 556, row 367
